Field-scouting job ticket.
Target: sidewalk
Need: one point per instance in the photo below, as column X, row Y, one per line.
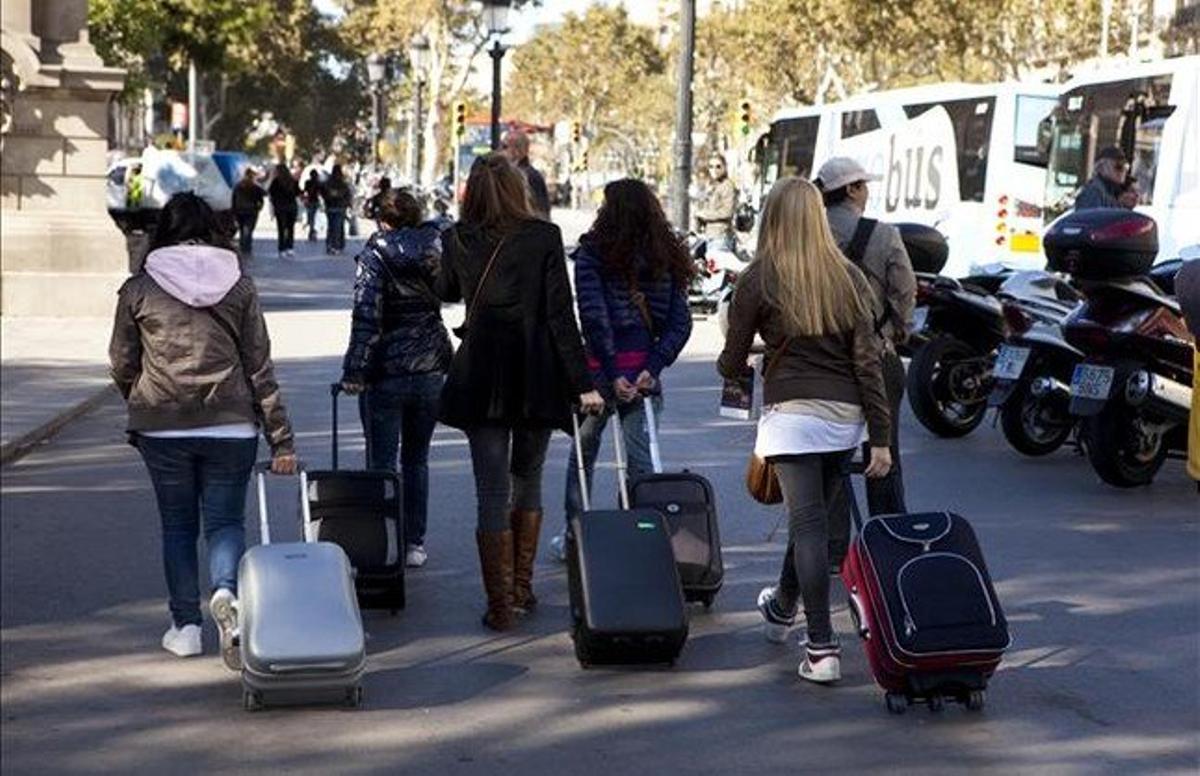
column 54, row 369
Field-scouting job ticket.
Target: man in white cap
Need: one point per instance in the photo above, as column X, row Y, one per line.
column 876, row 248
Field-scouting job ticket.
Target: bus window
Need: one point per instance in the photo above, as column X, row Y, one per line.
column 1031, row 137
column 972, row 121
column 796, row 140
column 858, row 122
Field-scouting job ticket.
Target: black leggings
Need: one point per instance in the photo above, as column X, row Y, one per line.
column 810, row 484
column 508, row 471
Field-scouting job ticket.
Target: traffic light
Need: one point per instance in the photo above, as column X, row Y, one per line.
column 584, row 162
column 576, row 133
column 744, row 118
column 460, row 119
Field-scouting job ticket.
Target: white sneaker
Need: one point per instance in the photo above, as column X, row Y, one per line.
column 822, row 665
column 775, row 624
column 558, row 547
column 183, row 642
column 416, row 556
column 224, row 608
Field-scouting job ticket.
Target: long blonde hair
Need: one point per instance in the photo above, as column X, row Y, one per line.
column 805, row 276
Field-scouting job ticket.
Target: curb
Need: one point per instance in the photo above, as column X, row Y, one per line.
column 23, row 445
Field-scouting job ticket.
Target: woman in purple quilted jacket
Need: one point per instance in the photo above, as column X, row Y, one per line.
column 631, row 280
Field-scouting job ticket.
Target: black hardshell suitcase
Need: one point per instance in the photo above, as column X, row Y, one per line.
column 688, row 503
column 627, row 605
column 362, row 511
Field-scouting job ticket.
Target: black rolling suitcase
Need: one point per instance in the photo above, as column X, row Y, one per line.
column 689, row 504
column 362, row 512
column 626, row 602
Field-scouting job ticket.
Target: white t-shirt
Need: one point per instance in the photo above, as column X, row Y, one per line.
column 809, row 426
column 221, row 431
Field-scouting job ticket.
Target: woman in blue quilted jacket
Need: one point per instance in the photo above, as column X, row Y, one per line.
column 631, row 280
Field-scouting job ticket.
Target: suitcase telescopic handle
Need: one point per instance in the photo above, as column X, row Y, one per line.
column 652, row 432
column 335, row 390
column 850, row 469
column 581, row 470
column 261, row 469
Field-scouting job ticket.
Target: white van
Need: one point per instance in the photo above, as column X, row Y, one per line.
column 1150, row 110
column 960, row 157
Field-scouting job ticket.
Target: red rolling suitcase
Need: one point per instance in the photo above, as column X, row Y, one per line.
column 923, row 603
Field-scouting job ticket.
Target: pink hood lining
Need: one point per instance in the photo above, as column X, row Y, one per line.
column 197, row 275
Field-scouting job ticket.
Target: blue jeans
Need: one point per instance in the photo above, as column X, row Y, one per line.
column 192, row 478
column 311, row 212
column 335, row 228
column 403, row 414
column 591, row 429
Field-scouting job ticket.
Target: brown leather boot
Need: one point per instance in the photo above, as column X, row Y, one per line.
column 496, row 563
column 526, row 528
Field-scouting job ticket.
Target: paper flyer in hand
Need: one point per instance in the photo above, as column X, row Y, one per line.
column 737, row 397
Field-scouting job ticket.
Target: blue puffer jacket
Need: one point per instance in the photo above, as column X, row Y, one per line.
column 614, row 330
column 397, row 323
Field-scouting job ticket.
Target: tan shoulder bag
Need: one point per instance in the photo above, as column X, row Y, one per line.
column 761, row 478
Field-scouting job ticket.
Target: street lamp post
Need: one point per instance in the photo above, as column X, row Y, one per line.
column 376, row 72
column 496, row 18
column 681, row 177
column 419, row 60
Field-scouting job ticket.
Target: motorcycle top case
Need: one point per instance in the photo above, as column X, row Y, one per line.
column 301, row 632
column 626, row 601
column 924, row 600
column 1101, row 244
column 927, row 247
column 689, row 505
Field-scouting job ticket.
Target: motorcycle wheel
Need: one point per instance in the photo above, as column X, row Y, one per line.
column 1030, row 426
column 1120, row 452
column 936, row 390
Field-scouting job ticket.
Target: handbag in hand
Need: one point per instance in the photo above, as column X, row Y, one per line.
column 762, row 481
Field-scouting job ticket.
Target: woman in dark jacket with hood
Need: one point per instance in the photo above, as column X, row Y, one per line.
column 631, row 279
column 517, row 374
column 399, row 351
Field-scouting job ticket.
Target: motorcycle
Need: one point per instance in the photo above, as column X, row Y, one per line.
column 1034, row 366
column 1133, row 389
column 716, row 273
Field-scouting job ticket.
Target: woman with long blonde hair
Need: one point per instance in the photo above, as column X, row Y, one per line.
column 823, row 394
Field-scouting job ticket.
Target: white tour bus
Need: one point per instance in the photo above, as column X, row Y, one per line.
column 1151, row 111
column 961, row 157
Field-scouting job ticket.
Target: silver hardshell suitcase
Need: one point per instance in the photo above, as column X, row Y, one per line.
column 301, row 631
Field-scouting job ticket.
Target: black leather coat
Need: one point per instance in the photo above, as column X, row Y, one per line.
column 521, row 363
column 397, row 323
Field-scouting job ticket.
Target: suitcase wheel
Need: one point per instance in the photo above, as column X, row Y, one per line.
column 936, row 703
column 354, row 697
column 897, row 703
column 707, row 600
column 976, row 699
column 251, row 700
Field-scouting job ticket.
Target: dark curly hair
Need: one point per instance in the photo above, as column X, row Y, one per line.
column 187, row 218
column 631, row 222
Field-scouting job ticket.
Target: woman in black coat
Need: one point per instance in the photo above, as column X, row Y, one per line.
column 518, row 372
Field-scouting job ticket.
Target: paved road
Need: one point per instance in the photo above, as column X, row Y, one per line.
column 1102, row 589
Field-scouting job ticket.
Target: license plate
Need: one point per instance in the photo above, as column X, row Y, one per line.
column 920, row 316
column 1010, row 362
column 1092, row 382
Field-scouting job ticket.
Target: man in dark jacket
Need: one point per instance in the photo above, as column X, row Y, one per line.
column 516, row 147
column 284, row 192
column 1108, row 181
column 248, row 199
column 312, row 202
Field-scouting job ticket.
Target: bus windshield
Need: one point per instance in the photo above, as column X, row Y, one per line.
column 791, row 149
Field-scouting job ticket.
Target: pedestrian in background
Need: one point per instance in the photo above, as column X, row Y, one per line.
column 823, row 391
column 877, row 250
column 718, row 203
column 399, row 352
column 191, row 356
column 515, row 146
column 284, row 193
column 312, row 202
column 371, row 208
column 518, row 372
column 631, row 280
column 248, row 199
column 338, row 197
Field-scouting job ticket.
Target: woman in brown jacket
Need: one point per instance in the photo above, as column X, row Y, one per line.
column 823, row 394
column 518, row 372
column 191, row 356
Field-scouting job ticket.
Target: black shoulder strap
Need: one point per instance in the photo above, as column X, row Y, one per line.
column 857, row 247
